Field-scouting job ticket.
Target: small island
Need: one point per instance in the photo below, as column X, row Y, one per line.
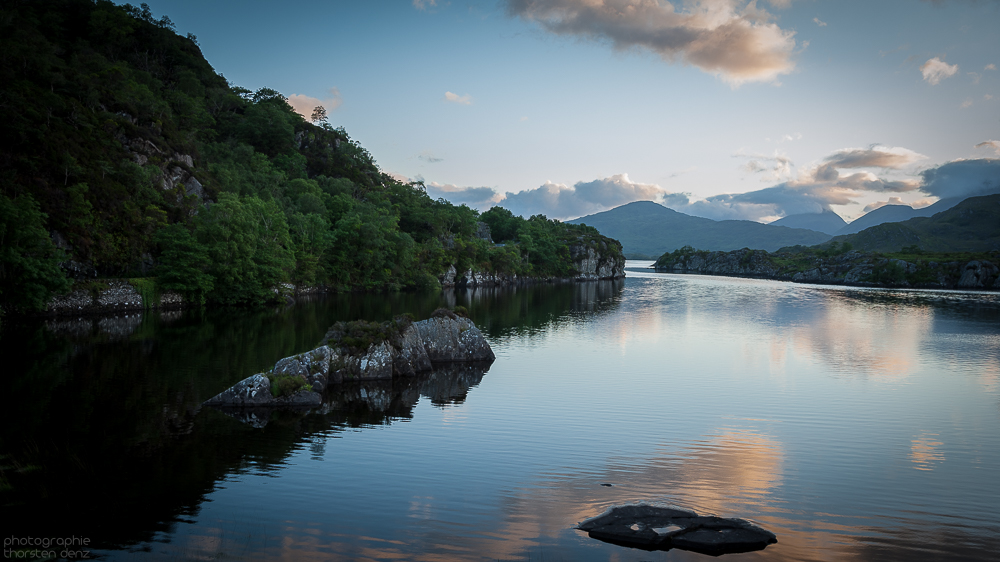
column 362, row 351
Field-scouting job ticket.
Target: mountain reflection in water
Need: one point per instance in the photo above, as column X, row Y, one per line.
column 855, row 424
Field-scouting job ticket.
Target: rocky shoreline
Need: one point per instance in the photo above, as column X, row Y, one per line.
column 116, row 296
column 852, row 268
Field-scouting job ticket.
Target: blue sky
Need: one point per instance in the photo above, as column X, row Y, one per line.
column 721, row 108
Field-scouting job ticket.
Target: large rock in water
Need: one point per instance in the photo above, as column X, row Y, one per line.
column 401, row 349
column 453, row 339
column 651, row 527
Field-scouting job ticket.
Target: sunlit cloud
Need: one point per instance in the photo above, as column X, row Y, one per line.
column 455, row 98
column 732, row 39
column 558, row 200
column 424, row 4
column 304, row 105
column 990, row 144
column 990, row 66
column 879, row 204
column 935, row 70
column 819, row 23
column 966, row 104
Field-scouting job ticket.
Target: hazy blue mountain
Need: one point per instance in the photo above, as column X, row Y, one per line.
column 827, row 222
column 650, row 229
column 896, row 213
column 973, row 225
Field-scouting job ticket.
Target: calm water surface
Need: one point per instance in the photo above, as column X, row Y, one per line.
column 855, row 424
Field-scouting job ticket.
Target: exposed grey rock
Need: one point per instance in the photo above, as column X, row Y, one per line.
column 375, row 364
column 653, row 527
column 313, row 365
column 447, row 278
column 447, row 340
column 593, row 264
column 254, row 390
column 978, row 275
column 412, row 356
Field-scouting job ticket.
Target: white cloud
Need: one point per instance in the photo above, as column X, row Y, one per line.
column 773, row 168
column 732, row 39
column 990, row 144
column 879, row 204
column 304, row 105
column 424, row 4
column 819, row 23
column 990, row 66
column 976, row 77
column 560, row 201
column 455, row 98
column 966, row 104
column 935, row 70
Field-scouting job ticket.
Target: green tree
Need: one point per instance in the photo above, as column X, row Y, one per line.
column 183, row 264
column 249, row 247
column 29, row 261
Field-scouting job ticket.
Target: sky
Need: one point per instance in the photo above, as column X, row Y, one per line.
column 727, row 109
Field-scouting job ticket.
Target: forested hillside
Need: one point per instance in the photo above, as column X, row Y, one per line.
column 123, row 153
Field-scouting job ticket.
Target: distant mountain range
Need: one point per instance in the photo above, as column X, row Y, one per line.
column 650, row 229
column 971, row 225
column 896, row 213
column 826, row 222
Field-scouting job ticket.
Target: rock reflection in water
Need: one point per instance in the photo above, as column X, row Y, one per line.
column 378, row 402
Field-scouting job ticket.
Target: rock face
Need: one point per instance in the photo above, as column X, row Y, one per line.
column 652, row 527
column 117, row 295
column 453, row 339
column 593, row 265
column 416, row 348
column 978, row 275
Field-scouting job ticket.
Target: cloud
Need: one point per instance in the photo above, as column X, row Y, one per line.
column 424, row 4
column 963, row 178
column 819, row 23
column 304, row 105
column 429, row 157
column 990, row 66
column 966, row 104
column 976, row 77
column 772, row 168
column 935, row 70
column 481, row 198
column 560, row 201
column 879, row 204
column 992, row 144
column 455, row 98
column 874, row 157
column 816, row 188
column 732, row 39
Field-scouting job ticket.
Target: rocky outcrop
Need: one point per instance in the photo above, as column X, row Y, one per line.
column 399, row 348
column 651, row 527
column 979, row 275
column 449, row 340
column 592, row 264
column 108, row 296
column 255, row 390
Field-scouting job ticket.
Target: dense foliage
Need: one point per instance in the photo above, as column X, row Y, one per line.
column 122, row 144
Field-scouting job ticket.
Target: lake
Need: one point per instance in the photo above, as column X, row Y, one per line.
column 856, row 424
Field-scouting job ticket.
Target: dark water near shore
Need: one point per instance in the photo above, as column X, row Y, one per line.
column 856, row 424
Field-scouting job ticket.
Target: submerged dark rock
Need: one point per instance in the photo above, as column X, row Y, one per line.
column 651, row 527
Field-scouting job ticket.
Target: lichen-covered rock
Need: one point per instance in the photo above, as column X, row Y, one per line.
column 313, row 365
column 453, row 339
column 652, row 527
column 254, row 390
column 412, row 356
column 375, row 364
